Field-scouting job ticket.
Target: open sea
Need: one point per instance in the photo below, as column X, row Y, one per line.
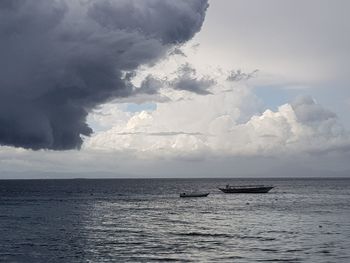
column 144, row 220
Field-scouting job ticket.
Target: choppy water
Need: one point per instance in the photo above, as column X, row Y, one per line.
column 146, row 221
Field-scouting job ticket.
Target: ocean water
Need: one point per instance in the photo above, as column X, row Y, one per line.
column 301, row 220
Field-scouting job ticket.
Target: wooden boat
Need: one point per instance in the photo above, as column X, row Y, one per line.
column 194, row 194
column 247, row 189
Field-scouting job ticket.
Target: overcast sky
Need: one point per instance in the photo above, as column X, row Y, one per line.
column 162, row 88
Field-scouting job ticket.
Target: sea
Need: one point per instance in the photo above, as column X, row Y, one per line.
column 145, row 220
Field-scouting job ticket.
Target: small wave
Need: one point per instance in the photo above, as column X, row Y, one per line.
column 157, row 259
column 223, row 235
column 175, row 221
column 257, row 237
column 294, row 250
column 198, row 234
column 162, row 259
column 280, row 232
column 268, row 250
column 280, row 260
column 229, row 258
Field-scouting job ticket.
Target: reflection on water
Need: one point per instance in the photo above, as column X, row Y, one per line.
column 145, row 220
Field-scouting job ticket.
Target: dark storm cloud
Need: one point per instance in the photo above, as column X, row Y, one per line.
column 59, row 59
column 171, row 21
column 150, row 85
column 238, row 75
column 188, row 80
column 178, row 52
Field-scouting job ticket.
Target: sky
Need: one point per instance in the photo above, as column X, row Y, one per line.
column 162, row 88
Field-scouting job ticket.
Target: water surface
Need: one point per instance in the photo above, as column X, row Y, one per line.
column 304, row 220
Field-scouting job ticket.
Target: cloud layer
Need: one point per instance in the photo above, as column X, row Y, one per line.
column 62, row 58
column 226, row 123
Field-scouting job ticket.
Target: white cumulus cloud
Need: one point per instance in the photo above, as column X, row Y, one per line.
column 227, row 122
